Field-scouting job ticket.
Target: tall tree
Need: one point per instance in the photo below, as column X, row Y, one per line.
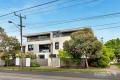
column 83, row 44
column 8, row 45
column 114, row 44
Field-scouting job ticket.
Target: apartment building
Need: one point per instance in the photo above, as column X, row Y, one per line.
column 45, row 43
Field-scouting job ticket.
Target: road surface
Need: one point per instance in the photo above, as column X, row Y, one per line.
column 29, row 75
column 14, row 76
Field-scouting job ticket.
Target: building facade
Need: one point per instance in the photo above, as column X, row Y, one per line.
column 46, row 43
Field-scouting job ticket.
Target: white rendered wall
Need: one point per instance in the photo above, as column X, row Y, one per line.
column 61, row 40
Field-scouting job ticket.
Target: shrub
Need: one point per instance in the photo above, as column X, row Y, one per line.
column 94, row 62
column 30, row 55
column 104, row 61
column 26, row 55
column 35, row 64
column 9, row 62
column 64, row 57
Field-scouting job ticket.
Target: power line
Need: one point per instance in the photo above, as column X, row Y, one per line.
column 29, row 8
column 51, row 6
column 48, row 10
column 107, row 24
column 50, row 23
column 92, row 26
column 96, row 25
column 52, row 9
column 86, row 2
column 109, row 27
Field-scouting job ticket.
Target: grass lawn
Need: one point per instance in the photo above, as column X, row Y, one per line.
column 89, row 70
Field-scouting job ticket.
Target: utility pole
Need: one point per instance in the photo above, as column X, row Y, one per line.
column 21, row 26
column 102, row 40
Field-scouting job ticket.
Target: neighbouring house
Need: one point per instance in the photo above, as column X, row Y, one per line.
column 46, row 43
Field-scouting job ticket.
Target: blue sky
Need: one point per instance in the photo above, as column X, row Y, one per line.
column 38, row 19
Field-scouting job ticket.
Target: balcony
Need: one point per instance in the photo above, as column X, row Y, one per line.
column 39, row 38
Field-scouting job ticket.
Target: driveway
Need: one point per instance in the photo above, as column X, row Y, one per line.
column 113, row 69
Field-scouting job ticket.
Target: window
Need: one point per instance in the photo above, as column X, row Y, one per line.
column 30, row 47
column 45, row 48
column 42, row 56
column 56, row 45
column 52, row 55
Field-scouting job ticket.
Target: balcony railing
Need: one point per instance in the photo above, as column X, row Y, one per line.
column 37, row 39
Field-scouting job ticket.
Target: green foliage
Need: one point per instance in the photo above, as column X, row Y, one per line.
column 83, row 43
column 118, row 65
column 108, row 52
column 104, row 61
column 106, row 57
column 9, row 62
column 20, row 55
column 30, row 55
column 26, row 55
column 8, row 46
column 64, row 56
column 114, row 44
column 35, row 64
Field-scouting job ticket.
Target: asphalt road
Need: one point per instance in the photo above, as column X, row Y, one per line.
column 4, row 75
column 13, row 76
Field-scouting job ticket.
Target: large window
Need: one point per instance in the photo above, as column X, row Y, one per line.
column 56, row 45
column 45, row 48
column 30, row 47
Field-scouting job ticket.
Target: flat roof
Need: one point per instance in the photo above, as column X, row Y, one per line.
column 43, row 33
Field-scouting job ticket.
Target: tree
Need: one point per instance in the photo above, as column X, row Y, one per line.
column 83, row 43
column 114, row 44
column 9, row 46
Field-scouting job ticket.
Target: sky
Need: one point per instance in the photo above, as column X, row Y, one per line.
column 47, row 18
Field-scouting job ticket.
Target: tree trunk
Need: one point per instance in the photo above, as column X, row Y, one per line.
column 86, row 62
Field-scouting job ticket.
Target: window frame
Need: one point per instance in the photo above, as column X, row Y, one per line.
column 30, row 47
column 56, row 45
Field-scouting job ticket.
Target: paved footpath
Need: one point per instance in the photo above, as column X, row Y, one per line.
column 29, row 75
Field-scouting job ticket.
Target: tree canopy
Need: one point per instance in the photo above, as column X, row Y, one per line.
column 114, row 44
column 83, row 44
column 8, row 45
